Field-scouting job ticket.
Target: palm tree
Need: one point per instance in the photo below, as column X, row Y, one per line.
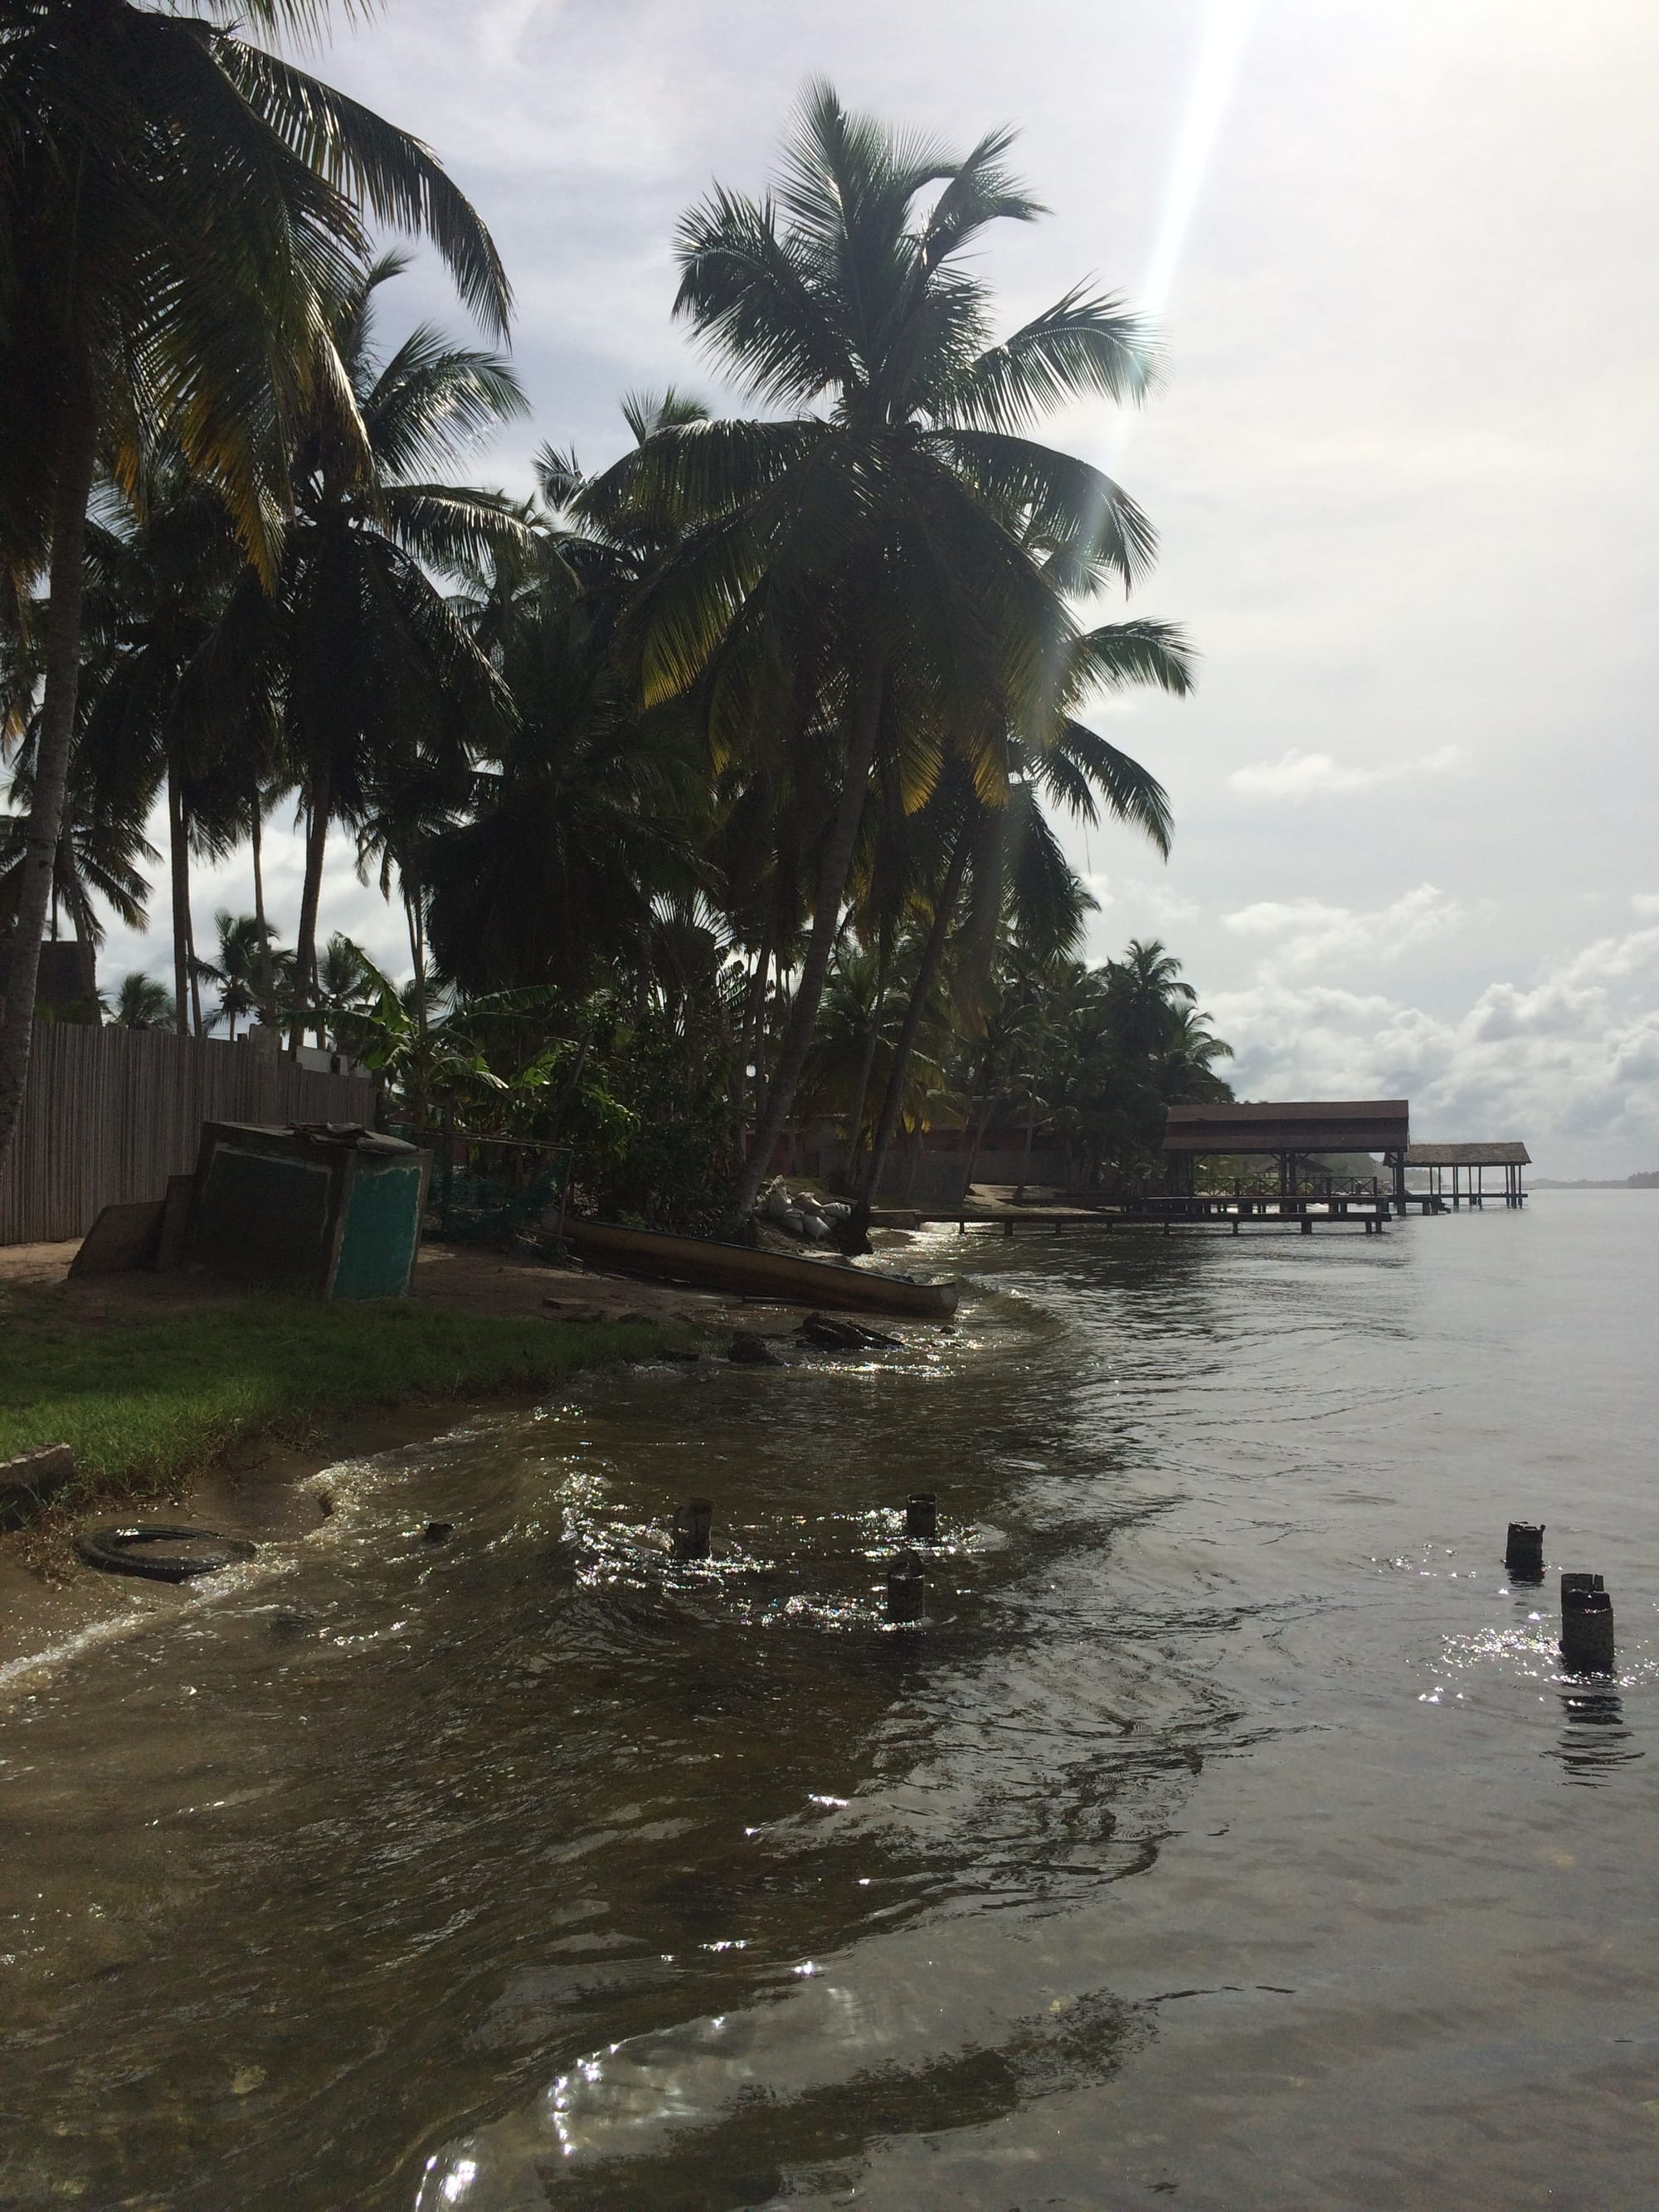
column 143, row 1002
column 870, row 564
column 1102, row 1053
column 1146, row 990
column 1000, row 828
column 379, row 679
column 1186, row 1075
column 160, row 565
column 1006, row 1043
column 101, row 848
column 347, row 985
column 174, row 200
column 404, row 815
column 240, row 972
column 589, row 814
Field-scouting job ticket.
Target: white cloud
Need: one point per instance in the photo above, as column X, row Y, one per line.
column 1569, row 1063
column 1636, row 1054
column 1309, row 934
column 1157, row 907
column 1298, row 774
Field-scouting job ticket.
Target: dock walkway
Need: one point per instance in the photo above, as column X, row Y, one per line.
column 1223, row 1213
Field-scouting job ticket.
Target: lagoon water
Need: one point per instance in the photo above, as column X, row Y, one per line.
column 1228, row 1837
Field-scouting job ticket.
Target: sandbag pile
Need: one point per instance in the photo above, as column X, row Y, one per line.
column 799, row 1214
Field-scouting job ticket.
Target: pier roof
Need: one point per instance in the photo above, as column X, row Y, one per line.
column 1304, row 1125
column 1509, row 1153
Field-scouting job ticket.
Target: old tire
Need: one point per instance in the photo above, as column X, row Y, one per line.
column 161, row 1552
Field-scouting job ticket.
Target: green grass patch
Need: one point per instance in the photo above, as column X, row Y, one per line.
column 146, row 1401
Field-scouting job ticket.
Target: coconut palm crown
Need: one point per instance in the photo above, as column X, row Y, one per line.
column 175, row 202
column 895, row 544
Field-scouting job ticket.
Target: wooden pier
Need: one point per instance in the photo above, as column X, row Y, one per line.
column 1468, row 1164
column 1221, row 1213
column 1311, row 1194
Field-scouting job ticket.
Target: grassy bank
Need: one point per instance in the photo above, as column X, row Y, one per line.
column 146, row 1401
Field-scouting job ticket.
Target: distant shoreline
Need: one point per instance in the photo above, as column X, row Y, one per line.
column 1627, row 1182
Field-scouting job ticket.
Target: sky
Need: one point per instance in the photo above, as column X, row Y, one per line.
column 1401, row 464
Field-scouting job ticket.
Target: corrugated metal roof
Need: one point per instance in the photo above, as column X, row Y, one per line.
column 1509, row 1153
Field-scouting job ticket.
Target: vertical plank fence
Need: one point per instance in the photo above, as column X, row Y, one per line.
column 110, row 1114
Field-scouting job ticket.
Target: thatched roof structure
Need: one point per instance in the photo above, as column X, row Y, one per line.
column 1510, row 1153
column 1336, row 1125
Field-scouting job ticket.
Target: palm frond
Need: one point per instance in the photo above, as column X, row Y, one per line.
column 1052, row 497
column 982, row 191
column 301, row 18
column 433, row 401
column 646, row 413
column 1132, row 793
column 455, row 528
column 1142, row 651
column 697, row 471
column 1086, row 346
column 363, row 156
column 746, row 292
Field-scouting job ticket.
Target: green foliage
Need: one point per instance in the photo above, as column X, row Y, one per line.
column 173, row 203
column 746, row 750
column 661, row 1155
column 1096, row 1056
column 885, row 576
column 140, row 1003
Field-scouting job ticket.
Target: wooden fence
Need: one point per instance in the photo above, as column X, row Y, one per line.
column 110, row 1114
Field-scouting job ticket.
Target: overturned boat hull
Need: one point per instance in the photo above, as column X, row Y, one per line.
column 703, row 1264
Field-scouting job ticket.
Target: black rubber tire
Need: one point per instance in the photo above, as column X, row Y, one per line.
column 117, row 1552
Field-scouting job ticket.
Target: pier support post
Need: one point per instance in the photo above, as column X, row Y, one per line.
column 922, row 1517
column 691, row 1527
column 1524, row 1553
column 906, row 1589
column 1586, row 1625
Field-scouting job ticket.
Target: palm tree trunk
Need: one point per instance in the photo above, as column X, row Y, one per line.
column 750, row 1026
column 826, row 925
column 305, row 951
column 266, row 966
column 416, row 918
column 178, row 867
column 1025, row 1157
column 76, row 452
column 945, row 907
column 417, row 921
column 855, row 1120
column 979, row 1140
column 916, row 1139
column 190, row 947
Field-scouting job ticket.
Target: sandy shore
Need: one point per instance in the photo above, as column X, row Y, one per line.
column 473, row 1281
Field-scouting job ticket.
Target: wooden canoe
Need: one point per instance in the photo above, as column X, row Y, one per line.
column 702, row 1263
